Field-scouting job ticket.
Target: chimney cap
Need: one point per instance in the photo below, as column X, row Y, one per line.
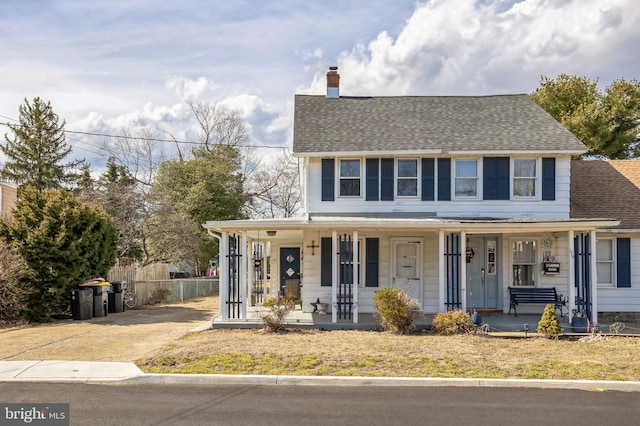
column 333, row 68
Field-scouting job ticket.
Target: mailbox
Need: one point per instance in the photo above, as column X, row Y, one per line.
column 551, row 268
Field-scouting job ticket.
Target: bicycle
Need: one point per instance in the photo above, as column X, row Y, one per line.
column 130, row 299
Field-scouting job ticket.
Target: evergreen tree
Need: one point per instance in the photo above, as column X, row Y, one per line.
column 37, row 149
column 63, row 241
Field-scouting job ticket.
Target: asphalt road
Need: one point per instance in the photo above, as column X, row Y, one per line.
column 327, row 405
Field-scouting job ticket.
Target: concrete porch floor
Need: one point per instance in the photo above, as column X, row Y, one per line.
column 496, row 322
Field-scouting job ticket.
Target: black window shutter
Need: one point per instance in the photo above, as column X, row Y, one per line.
column 444, row 179
column 549, row 179
column 386, row 168
column 428, row 179
column 328, row 177
column 623, row 266
column 372, row 172
column 372, row 262
column 326, row 261
column 495, row 180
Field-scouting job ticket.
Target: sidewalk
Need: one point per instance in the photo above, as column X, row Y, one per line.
column 128, row 373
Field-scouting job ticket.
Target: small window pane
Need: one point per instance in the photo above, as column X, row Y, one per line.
column 604, row 250
column 524, row 168
column 524, row 187
column 407, row 187
column 524, row 252
column 466, row 187
column 466, row 168
column 350, row 168
column 407, row 168
column 349, row 187
column 605, row 273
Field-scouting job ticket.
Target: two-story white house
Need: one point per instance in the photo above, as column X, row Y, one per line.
column 454, row 199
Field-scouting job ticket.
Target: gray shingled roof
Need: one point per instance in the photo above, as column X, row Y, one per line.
column 410, row 123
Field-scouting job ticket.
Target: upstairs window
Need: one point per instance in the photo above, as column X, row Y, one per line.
column 349, row 178
column 466, row 185
column 407, row 183
column 524, row 178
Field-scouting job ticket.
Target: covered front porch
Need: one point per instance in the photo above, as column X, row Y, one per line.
column 431, row 258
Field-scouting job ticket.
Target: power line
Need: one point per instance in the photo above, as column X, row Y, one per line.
column 142, row 138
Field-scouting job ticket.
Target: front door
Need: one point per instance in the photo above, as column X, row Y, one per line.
column 289, row 265
column 482, row 273
column 407, row 267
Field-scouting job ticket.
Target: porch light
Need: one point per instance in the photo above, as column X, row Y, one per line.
column 271, row 233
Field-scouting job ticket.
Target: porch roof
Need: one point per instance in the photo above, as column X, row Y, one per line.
column 477, row 225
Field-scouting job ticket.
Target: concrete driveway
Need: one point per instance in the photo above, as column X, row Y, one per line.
column 124, row 337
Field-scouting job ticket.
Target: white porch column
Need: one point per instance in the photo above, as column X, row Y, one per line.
column 356, row 275
column 242, row 278
column 250, row 270
column 334, row 277
column 223, row 280
column 572, row 277
column 463, row 268
column 594, row 277
column 441, row 278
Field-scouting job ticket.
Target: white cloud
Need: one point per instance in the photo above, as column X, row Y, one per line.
column 187, row 89
column 109, row 65
column 488, row 47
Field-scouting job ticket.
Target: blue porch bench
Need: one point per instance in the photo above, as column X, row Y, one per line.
column 534, row 295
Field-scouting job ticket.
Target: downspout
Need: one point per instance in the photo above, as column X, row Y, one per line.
column 219, row 238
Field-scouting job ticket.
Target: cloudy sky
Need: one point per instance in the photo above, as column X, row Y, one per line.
column 109, row 65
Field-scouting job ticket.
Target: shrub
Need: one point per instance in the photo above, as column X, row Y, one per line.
column 160, row 295
column 13, row 290
column 279, row 308
column 452, row 322
column 549, row 325
column 396, row 311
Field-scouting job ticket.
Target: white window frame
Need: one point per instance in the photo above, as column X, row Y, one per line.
column 398, row 178
column 534, row 264
column 340, row 178
column 537, row 185
column 611, row 262
column 478, row 179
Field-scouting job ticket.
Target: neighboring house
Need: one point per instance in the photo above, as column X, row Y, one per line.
column 451, row 198
column 612, row 189
column 8, row 199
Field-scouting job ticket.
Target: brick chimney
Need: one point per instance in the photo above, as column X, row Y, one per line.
column 333, row 83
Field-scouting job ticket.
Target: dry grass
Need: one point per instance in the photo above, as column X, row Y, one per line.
column 372, row 353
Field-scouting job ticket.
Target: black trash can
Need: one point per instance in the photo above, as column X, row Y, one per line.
column 82, row 304
column 116, row 301
column 100, row 297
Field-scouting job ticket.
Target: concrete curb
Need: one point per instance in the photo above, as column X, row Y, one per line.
column 222, row 379
column 124, row 373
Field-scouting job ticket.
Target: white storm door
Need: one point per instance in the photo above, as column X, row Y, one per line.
column 407, row 265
